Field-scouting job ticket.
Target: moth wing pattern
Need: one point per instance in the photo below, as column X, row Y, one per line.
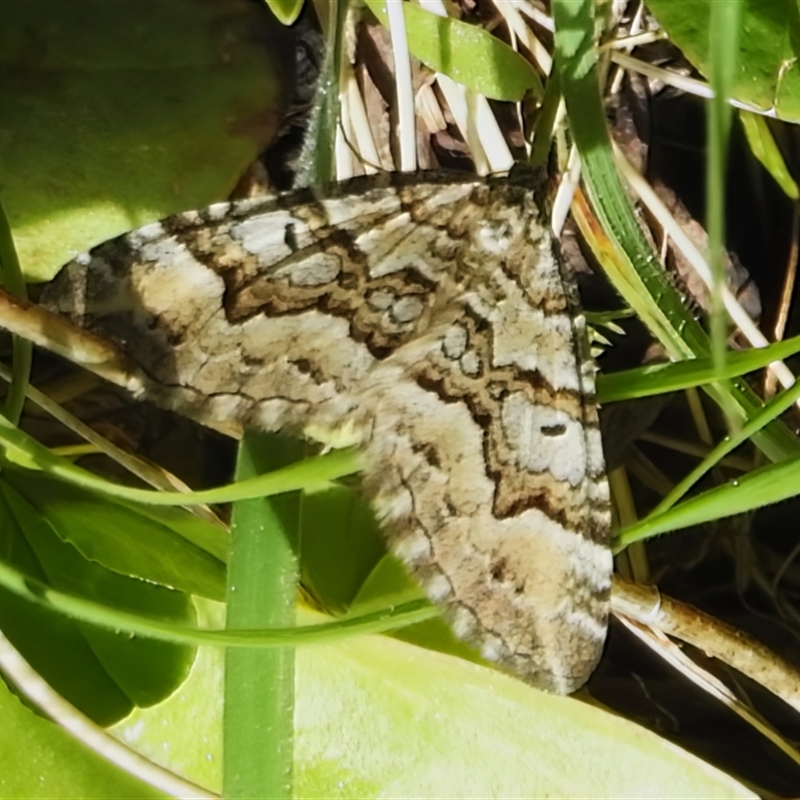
column 430, row 320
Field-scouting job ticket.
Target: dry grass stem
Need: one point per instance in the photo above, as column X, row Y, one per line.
column 646, row 606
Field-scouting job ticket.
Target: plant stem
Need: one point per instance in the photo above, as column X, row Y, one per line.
column 262, row 592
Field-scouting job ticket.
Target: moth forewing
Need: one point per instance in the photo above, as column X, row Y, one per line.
column 432, row 320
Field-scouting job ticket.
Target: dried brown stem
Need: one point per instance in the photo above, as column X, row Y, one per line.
column 646, row 605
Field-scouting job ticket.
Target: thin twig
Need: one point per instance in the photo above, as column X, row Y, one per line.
column 646, row 605
column 787, row 293
column 156, row 476
column 60, row 336
column 673, row 655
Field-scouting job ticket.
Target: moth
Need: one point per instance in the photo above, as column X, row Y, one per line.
column 429, row 322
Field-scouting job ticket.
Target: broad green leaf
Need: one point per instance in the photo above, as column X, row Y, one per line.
column 53, row 644
column 376, row 717
column 137, row 671
column 207, row 536
column 123, row 538
column 115, row 114
column 40, row 760
column 466, row 53
column 287, row 11
column 159, row 732
column 769, row 73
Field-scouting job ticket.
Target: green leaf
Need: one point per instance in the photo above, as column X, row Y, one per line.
column 262, row 592
column 407, row 722
column 662, row 378
column 40, row 760
column 110, row 671
column 378, row 717
column 128, row 539
column 341, row 546
column 468, row 54
column 51, row 643
column 115, row 114
column 762, row 145
column 768, row 77
column 287, row 11
column 770, row 484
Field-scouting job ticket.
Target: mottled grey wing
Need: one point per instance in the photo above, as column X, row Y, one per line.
column 431, row 323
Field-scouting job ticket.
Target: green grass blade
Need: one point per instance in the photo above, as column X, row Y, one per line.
column 667, row 319
column 317, row 164
column 641, row 281
column 770, row 484
column 777, row 406
column 723, row 41
column 314, row 472
column 546, row 122
column 263, row 571
column 22, row 349
column 22, row 358
column 84, row 610
column 662, row 378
